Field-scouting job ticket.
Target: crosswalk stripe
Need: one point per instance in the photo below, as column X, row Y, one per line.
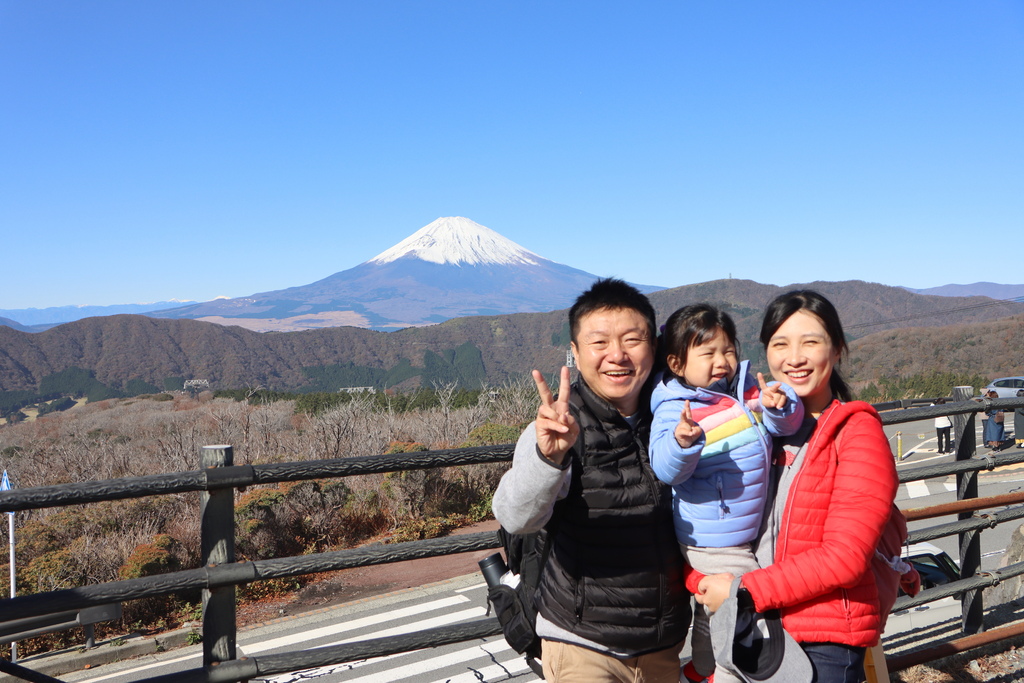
column 334, row 629
column 442, row 620
column 419, row 668
column 465, row 654
column 494, row 672
column 917, row 489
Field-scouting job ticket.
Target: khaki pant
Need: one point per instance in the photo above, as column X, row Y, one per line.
column 566, row 663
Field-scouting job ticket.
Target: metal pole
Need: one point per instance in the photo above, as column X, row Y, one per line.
column 14, row 583
column 218, row 547
column 972, row 604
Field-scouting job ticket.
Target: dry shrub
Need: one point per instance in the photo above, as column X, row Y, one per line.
column 291, row 519
column 119, row 438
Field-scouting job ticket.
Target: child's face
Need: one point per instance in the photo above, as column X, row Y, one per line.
column 707, row 363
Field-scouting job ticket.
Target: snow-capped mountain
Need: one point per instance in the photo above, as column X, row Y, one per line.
column 450, row 268
column 456, row 240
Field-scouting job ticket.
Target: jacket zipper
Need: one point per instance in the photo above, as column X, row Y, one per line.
column 781, row 542
column 652, row 484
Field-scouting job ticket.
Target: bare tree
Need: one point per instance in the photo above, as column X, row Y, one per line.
column 515, row 401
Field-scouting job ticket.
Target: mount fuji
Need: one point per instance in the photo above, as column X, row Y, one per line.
column 450, row 268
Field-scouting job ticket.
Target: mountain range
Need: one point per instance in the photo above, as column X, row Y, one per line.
column 992, row 290
column 150, row 354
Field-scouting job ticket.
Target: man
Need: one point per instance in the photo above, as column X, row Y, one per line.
column 611, row 602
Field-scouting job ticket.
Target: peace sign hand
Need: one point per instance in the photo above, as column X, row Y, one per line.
column 772, row 396
column 687, row 431
column 557, row 429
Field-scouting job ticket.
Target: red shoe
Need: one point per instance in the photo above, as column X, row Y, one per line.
column 690, row 674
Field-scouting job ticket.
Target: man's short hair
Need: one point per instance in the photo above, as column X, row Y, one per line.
column 614, row 294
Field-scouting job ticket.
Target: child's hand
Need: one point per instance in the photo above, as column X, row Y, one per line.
column 772, row 396
column 687, row 431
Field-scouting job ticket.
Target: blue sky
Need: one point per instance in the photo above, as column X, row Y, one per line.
column 156, row 150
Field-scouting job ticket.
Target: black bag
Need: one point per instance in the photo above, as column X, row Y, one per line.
column 515, row 608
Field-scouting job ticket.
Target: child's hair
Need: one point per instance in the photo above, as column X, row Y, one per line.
column 693, row 325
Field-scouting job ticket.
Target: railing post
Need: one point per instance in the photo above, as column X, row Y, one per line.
column 972, row 604
column 218, row 547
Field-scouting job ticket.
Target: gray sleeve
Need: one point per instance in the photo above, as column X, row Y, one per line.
column 527, row 493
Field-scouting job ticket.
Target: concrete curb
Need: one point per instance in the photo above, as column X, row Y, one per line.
column 134, row 645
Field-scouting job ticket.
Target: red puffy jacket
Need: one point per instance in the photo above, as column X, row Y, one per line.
column 839, row 501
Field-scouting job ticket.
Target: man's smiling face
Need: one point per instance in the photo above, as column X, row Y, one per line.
column 615, row 353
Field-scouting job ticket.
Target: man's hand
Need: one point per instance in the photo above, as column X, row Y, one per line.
column 772, row 396
column 687, row 431
column 557, row 429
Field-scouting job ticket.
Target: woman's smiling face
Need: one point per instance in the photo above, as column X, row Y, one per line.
column 802, row 355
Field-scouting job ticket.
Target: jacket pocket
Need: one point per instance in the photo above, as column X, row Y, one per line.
column 515, row 617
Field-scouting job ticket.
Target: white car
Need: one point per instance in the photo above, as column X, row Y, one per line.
column 1005, row 387
column 935, row 568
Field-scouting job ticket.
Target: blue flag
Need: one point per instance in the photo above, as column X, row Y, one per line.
column 5, row 485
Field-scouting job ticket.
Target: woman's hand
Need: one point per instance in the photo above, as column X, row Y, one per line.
column 557, row 429
column 714, row 589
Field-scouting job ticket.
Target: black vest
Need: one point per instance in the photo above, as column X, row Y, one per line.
column 614, row 575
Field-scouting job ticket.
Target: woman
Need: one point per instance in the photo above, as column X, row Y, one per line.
column 943, row 427
column 1018, row 422
column 993, row 432
column 835, row 484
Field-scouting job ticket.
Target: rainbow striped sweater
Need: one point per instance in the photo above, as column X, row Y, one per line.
column 720, row 483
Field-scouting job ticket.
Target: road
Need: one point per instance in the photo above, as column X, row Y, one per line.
column 463, row 599
column 919, row 447
column 448, row 602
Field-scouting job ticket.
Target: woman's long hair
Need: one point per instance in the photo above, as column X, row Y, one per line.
column 785, row 305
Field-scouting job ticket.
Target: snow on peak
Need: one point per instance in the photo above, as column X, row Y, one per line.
column 457, row 240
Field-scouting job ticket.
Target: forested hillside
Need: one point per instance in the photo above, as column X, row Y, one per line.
column 128, row 354
column 990, row 349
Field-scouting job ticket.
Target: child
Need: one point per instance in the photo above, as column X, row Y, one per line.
column 708, row 442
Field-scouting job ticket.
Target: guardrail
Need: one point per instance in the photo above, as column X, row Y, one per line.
column 221, row 573
column 20, row 629
column 968, row 526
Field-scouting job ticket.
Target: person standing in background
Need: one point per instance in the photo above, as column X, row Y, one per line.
column 1018, row 422
column 994, row 433
column 943, row 426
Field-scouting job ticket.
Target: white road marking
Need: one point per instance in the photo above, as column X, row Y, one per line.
column 917, row 489
column 494, row 672
column 334, row 629
column 398, row 673
column 472, row 588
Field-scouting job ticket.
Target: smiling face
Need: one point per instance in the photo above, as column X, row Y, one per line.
column 707, row 362
column 802, row 355
column 615, row 353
